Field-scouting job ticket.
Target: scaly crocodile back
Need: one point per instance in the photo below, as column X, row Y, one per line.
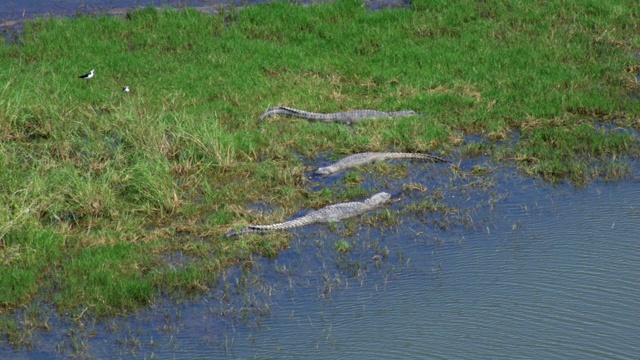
column 331, row 213
column 354, row 160
column 346, row 117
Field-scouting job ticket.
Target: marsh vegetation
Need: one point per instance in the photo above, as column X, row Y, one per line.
column 100, row 188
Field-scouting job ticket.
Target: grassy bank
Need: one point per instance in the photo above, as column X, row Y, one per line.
column 102, row 189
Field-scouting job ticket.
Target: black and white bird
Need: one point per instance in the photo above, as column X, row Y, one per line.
column 88, row 75
column 126, row 89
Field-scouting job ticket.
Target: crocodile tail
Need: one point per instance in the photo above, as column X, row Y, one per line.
column 307, row 115
column 273, row 111
column 291, row 112
column 246, row 230
column 435, row 158
column 417, row 156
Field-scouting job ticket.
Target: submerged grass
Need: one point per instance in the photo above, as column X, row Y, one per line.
column 98, row 185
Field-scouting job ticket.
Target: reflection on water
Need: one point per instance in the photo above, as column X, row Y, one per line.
column 545, row 272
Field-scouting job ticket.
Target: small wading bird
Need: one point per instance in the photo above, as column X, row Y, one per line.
column 87, row 76
column 126, row 89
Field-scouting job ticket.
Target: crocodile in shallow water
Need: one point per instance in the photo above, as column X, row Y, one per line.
column 369, row 157
column 331, row 213
column 345, row 117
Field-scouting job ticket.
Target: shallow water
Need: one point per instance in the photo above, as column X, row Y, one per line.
column 540, row 271
column 555, row 276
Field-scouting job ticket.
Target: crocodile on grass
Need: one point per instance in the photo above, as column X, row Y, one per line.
column 331, row 213
column 345, row 117
column 354, row 160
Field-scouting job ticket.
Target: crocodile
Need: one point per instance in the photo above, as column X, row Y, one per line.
column 369, row 157
column 331, row 213
column 345, row 117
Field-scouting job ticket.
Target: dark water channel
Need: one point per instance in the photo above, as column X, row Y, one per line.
column 514, row 269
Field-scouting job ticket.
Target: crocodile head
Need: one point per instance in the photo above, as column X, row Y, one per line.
column 378, row 199
column 327, row 170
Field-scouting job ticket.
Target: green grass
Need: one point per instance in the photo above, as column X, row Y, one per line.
column 99, row 186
